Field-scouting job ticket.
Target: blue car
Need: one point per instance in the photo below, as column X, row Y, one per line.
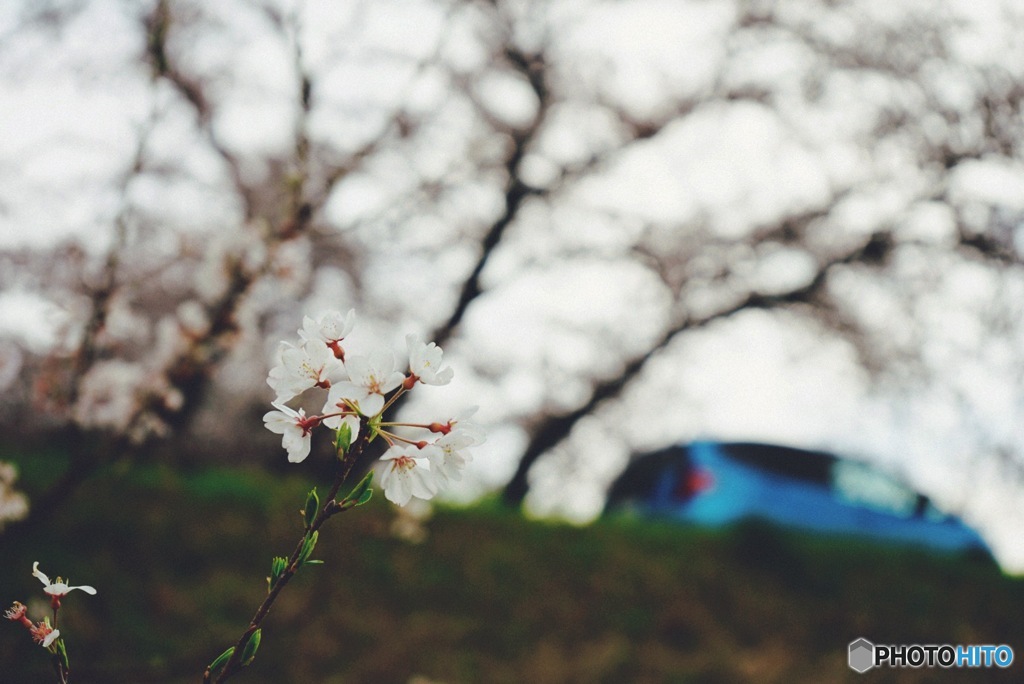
column 717, row 484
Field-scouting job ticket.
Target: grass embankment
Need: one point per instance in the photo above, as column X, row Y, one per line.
column 180, row 561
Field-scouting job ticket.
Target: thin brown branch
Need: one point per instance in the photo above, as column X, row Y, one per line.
column 532, row 67
column 330, row 508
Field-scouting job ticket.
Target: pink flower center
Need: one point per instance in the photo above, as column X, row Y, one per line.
column 40, row 632
column 307, row 424
column 403, row 463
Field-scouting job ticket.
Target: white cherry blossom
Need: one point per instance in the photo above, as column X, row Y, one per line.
column 450, row 457
column 463, row 424
column 406, row 473
column 57, row 589
column 370, row 378
column 294, row 428
column 44, row 634
column 330, row 328
column 50, row 638
column 300, row 368
column 425, row 362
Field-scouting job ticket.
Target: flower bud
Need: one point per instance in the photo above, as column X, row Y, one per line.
column 307, row 548
column 312, row 506
column 222, row 659
column 251, row 647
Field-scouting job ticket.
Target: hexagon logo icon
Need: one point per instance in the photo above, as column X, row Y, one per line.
column 862, row 655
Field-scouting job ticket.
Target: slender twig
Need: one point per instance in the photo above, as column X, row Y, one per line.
column 63, row 673
column 330, row 508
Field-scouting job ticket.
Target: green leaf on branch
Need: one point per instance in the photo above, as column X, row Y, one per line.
column 374, row 425
column 343, row 439
column 360, row 494
column 251, row 647
column 277, row 568
column 307, row 548
column 223, row 658
column 312, row 507
column 62, row 653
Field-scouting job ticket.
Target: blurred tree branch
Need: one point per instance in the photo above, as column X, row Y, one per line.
column 409, row 175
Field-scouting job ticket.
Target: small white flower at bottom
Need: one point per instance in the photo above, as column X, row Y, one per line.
column 50, row 638
column 58, row 588
column 406, row 473
column 43, row 634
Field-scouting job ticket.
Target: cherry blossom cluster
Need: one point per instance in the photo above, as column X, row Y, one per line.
column 44, row 633
column 360, row 389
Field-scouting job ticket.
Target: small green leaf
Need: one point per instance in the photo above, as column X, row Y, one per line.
column 312, row 507
column 251, row 647
column 277, row 568
column 62, row 652
column 364, row 497
column 307, row 548
column 374, row 426
column 314, row 562
column 360, row 489
column 223, row 658
column 343, row 439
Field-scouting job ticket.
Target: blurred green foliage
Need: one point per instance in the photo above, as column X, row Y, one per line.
column 180, row 561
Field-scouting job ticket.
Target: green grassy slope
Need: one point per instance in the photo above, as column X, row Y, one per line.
column 180, row 561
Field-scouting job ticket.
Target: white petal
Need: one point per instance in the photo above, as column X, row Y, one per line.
column 334, row 422
column 442, row 377
column 276, row 422
column 60, row 589
column 358, row 368
column 343, row 390
column 297, row 445
column 37, row 573
column 335, row 371
column 423, row 481
column 392, row 381
column 371, row 405
column 396, row 486
column 382, row 362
